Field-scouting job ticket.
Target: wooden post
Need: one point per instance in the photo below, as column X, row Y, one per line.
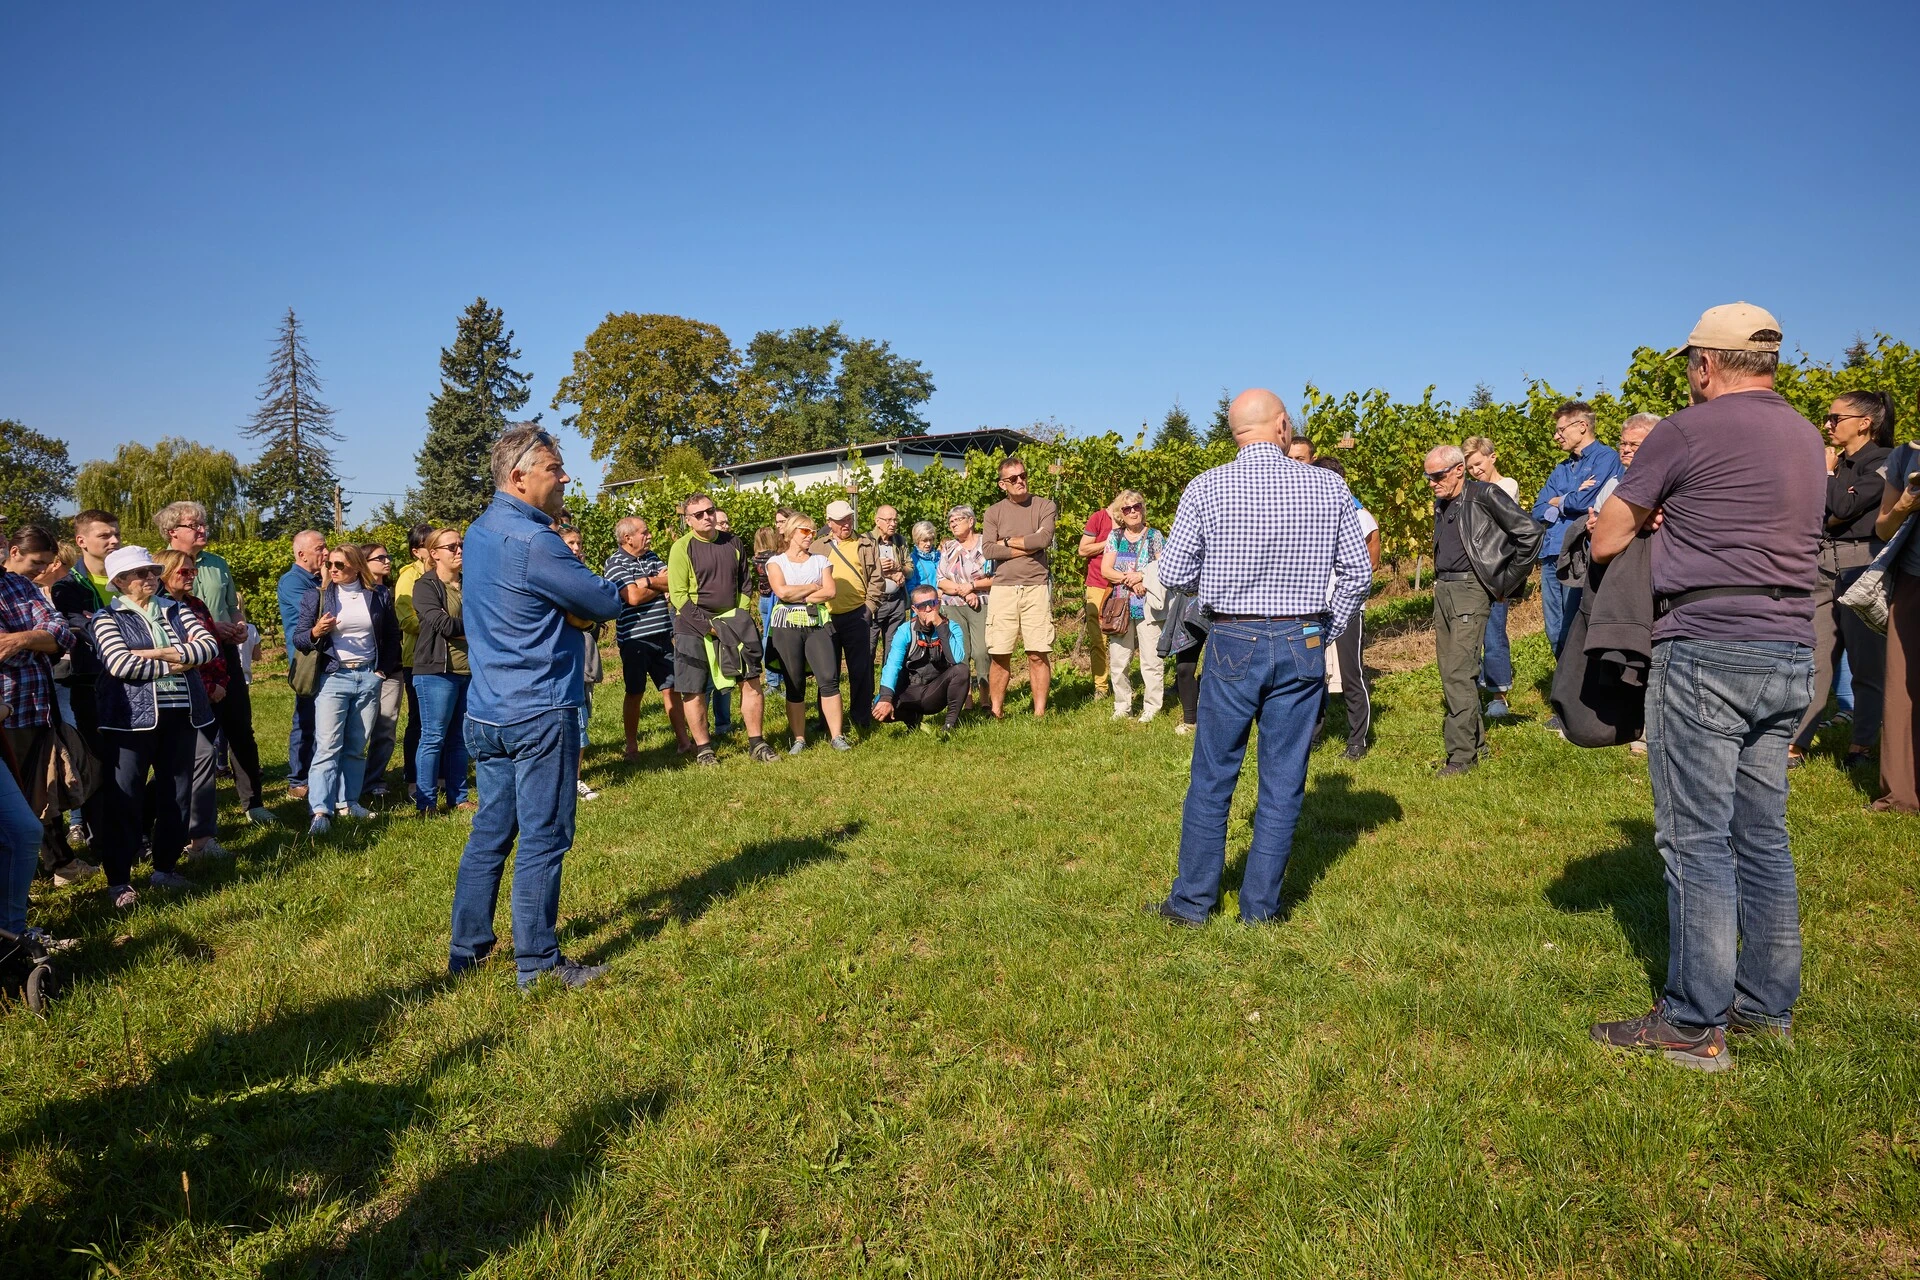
column 339, row 512
column 1419, row 562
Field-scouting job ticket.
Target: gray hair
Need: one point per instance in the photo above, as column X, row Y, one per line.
column 626, row 526
column 1446, row 453
column 1754, row 364
column 1647, row 420
column 926, row 527
column 175, row 514
column 515, row 446
column 962, row 510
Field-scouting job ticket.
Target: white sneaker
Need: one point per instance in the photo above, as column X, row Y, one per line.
column 1183, row 728
column 354, row 810
column 320, row 825
column 1122, row 715
column 585, row 792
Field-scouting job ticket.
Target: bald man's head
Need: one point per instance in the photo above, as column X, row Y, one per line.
column 310, row 549
column 1259, row 417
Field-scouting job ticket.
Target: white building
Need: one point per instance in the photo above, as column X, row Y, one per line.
column 916, row 453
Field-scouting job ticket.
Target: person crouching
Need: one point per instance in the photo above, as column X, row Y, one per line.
column 930, row 655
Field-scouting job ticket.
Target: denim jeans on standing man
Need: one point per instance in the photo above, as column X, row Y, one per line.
column 1496, row 667
column 1719, row 716
column 526, row 775
column 1268, row 672
column 300, row 741
column 344, row 707
column 20, row 843
column 442, row 756
column 1559, row 603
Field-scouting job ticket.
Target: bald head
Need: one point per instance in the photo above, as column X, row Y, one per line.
column 1259, row 417
column 310, row 549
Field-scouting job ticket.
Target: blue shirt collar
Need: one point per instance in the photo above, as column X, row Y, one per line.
column 522, row 508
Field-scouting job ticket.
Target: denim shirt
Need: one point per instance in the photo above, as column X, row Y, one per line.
column 294, row 583
column 1597, row 462
column 517, row 586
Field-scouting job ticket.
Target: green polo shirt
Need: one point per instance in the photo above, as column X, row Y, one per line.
column 213, row 583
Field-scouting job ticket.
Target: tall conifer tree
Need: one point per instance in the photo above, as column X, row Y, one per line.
column 1176, row 427
column 1219, row 431
column 292, row 483
column 479, row 387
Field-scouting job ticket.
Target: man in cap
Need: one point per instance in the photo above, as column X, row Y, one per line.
column 854, row 560
column 1733, row 487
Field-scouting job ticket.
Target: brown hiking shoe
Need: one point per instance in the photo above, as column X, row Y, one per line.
column 1702, row 1050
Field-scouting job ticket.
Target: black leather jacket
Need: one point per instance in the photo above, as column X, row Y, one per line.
column 1502, row 541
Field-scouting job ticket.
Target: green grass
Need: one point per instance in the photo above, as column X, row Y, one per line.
column 899, row 1013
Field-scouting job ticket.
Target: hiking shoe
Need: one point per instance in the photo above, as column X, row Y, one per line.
column 123, row 897
column 1497, row 709
column 1758, row 1029
column 765, row 754
column 568, row 973
column 799, row 745
column 584, row 791
column 77, row 833
column 705, row 756
column 320, row 825
column 1453, row 770
column 262, row 817
column 74, row 872
column 169, row 880
column 1168, row 914
column 841, row 744
column 1701, row 1050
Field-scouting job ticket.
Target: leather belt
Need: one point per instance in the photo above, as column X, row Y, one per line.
column 1266, row 617
column 1454, row 577
column 1664, row 605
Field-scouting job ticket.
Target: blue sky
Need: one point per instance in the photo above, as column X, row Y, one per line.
column 1074, row 213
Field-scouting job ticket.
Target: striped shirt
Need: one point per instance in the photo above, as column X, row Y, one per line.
column 650, row 621
column 1263, row 535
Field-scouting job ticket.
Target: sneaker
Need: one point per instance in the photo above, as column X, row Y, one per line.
column 1356, row 753
column 1122, row 715
column 413, row 794
column 48, row 944
column 378, row 790
column 1557, row 727
column 584, row 791
column 262, row 817
column 169, row 880
column 466, row 806
column 1638, row 746
column 765, row 754
column 1702, row 1050
column 123, row 897
column 74, row 872
column 320, row 825
column 799, row 745
column 77, row 833
column 1146, row 717
column 1168, row 914
column 1497, row 709
column 1758, row 1030
column 1182, row 728
column 841, row 744
column 568, row 973
column 705, row 756
column 211, row 849
column 1451, row 770
column 354, row 810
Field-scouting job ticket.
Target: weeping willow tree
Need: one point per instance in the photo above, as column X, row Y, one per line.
column 139, row 480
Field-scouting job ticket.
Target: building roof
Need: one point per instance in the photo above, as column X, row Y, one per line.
column 956, row 443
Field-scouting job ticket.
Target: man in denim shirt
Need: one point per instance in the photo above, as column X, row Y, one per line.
column 309, row 556
column 519, row 586
column 1569, row 493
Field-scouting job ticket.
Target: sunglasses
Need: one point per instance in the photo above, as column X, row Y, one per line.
column 450, row 546
column 339, row 566
column 1435, row 477
column 1133, row 506
column 702, row 513
column 1835, row 419
column 1014, row 477
column 926, row 604
column 149, row 572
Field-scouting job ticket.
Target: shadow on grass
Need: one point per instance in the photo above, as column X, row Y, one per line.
column 641, row 916
column 1629, row 881
column 1333, row 816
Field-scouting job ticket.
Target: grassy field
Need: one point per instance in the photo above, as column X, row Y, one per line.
column 899, row 1013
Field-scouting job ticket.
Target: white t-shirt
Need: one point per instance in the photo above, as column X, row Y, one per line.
column 353, row 635
column 1509, row 486
column 806, row 573
column 1368, row 525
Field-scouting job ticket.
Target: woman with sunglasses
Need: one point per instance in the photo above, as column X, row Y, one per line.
column 393, row 688
column 178, row 571
column 353, row 629
column 1131, row 547
column 803, row 584
column 440, row 676
column 152, row 705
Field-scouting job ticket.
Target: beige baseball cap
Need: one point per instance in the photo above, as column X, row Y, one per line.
column 1736, row 326
column 839, row 509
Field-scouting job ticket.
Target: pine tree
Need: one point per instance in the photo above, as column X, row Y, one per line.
column 1482, row 397
column 1176, row 427
column 1859, row 354
column 478, row 389
column 1220, row 431
column 292, row 483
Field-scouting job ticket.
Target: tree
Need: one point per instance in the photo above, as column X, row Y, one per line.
column 825, row 390
column 292, row 483
column 1859, row 354
column 644, row 383
column 1175, row 428
column 478, row 389
column 1482, row 397
column 36, row 475
column 138, row 481
column 1220, row 431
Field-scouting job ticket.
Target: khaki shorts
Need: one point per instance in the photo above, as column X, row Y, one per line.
column 1020, row 615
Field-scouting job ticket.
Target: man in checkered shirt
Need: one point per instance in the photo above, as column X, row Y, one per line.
column 1257, row 540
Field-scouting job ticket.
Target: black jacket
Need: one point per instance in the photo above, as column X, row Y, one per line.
column 74, row 600
column 1853, row 494
column 1501, row 540
column 432, row 654
column 1600, row 684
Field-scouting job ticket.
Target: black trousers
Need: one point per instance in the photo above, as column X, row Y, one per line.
column 804, row 649
column 1353, row 682
column 410, row 740
column 233, row 719
column 167, row 751
column 1186, row 681
column 86, row 718
column 945, row 693
column 853, row 645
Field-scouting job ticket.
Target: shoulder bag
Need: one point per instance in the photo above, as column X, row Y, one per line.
column 1869, row 596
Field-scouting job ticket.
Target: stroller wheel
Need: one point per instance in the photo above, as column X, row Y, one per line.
column 39, row 988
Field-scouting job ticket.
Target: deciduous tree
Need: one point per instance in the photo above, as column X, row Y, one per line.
column 479, row 387
column 292, row 482
column 36, row 475
column 825, row 390
column 138, row 481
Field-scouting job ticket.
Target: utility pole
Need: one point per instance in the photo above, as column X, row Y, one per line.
column 339, row 512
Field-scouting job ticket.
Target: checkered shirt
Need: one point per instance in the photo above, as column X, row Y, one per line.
column 1263, row 535
column 26, row 678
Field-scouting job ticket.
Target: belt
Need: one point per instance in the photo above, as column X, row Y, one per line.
column 353, row 666
column 1454, row 577
column 1664, row 605
column 1266, row 617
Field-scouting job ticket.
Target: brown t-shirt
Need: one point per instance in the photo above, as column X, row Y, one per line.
column 1742, row 479
column 1032, row 520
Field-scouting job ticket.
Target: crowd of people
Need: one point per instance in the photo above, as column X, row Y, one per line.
column 1694, row 576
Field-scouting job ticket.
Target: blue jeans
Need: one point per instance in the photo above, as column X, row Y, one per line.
column 1843, row 684
column 20, row 840
column 527, row 773
column 300, row 742
column 766, row 641
column 1496, row 666
column 344, row 709
column 1270, row 672
column 1560, row 603
column 1719, row 717
column 442, row 754
column 722, row 700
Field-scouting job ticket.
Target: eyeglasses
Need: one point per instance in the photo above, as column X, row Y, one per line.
column 455, row 547
column 1835, row 419
column 150, row 571
column 1435, row 477
column 382, row 559
column 1133, row 506
column 186, row 525
column 926, row 604
column 702, row 514
column 1014, row 477
column 339, row 566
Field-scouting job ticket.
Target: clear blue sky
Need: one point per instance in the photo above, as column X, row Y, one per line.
column 1071, row 213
